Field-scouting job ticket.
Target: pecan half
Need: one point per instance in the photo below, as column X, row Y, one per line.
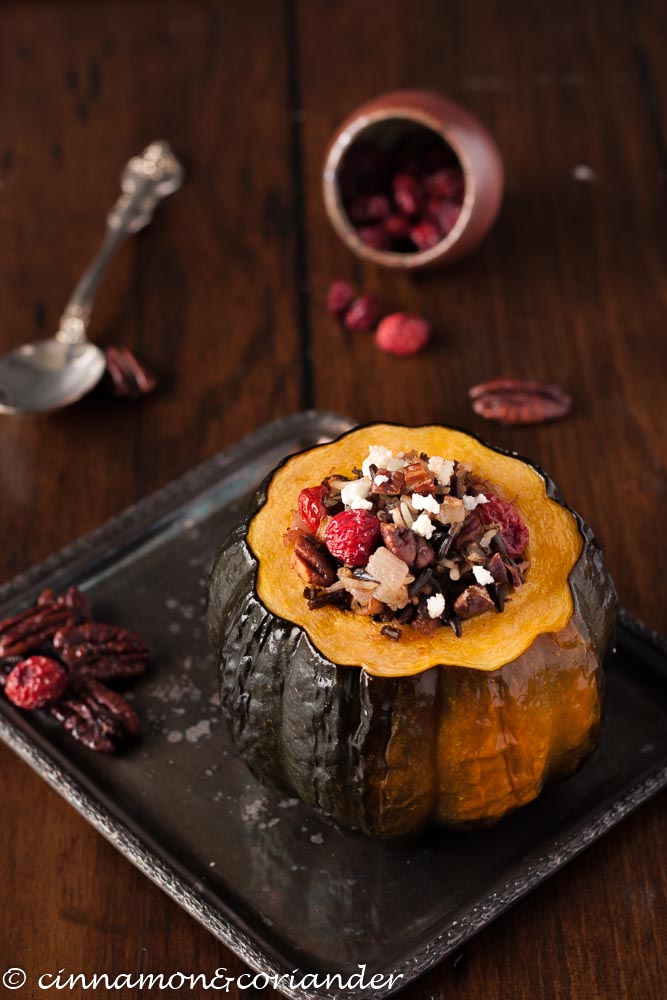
column 127, row 375
column 401, row 542
column 311, row 563
column 102, row 651
column 94, row 715
column 473, row 601
column 516, row 401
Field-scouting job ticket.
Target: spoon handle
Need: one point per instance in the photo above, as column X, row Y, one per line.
column 144, row 182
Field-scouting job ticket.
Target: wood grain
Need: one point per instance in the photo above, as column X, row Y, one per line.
column 224, row 296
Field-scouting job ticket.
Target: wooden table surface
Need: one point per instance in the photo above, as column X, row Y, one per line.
column 224, row 295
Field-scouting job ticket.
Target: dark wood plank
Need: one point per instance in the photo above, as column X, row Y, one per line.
column 206, row 294
column 570, row 286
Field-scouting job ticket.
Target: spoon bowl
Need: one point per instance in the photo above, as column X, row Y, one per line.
column 48, row 375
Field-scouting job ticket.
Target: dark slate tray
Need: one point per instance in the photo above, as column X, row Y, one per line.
column 270, row 878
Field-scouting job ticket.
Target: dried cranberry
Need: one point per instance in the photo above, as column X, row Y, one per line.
column 352, row 535
column 369, row 208
column 363, row 314
column 374, row 237
column 401, row 333
column 339, row 297
column 407, row 193
column 425, row 235
column 514, row 532
column 311, row 505
column 36, row 682
column 447, row 215
column 445, row 184
column 397, row 227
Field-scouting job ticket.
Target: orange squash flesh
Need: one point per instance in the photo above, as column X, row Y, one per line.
column 543, row 604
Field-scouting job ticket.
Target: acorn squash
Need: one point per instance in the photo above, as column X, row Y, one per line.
column 389, row 737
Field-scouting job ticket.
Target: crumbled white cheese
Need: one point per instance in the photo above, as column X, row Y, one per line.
column 354, row 494
column 423, row 526
column 435, row 605
column 482, row 575
column 379, row 480
column 383, row 458
column 425, row 502
column 442, row 469
column 471, row 502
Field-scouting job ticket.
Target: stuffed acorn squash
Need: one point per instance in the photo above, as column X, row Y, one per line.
column 390, row 714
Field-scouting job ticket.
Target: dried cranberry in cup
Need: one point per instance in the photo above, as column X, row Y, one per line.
column 411, row 180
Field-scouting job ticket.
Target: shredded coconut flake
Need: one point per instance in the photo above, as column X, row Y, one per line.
column 423, row 526
column 471, row 502
column 354, row 495
column 442, row 469
column 383, row 458
column 379, row 480
column 435, row 605
column 425, row 502
column 482, row 575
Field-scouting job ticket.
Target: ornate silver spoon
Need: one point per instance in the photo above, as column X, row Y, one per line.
column 49, row 374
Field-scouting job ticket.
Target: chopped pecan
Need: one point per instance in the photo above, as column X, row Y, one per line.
column 313, row 564
column 497, row 568
column 473, row 601
column 474, row 553
column 519, row 401
column 102, row 651
column 394, row 486
column 401, row 542
column 418, row 479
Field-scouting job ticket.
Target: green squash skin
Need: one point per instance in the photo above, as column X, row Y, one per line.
column 337, row 736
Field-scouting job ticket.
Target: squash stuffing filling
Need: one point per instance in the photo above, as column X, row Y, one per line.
column 410, row 540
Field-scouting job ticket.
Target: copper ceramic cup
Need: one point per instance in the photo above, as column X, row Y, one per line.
column 382, row 121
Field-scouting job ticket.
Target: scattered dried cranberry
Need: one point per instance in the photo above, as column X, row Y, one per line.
column 512, row 528
column 311, row 505
column 352, row 535
column 363, row 314
column 339, row 297
column 401, row 333
column 35, row 682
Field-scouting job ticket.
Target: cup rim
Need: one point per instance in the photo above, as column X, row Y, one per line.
column 350, row 133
